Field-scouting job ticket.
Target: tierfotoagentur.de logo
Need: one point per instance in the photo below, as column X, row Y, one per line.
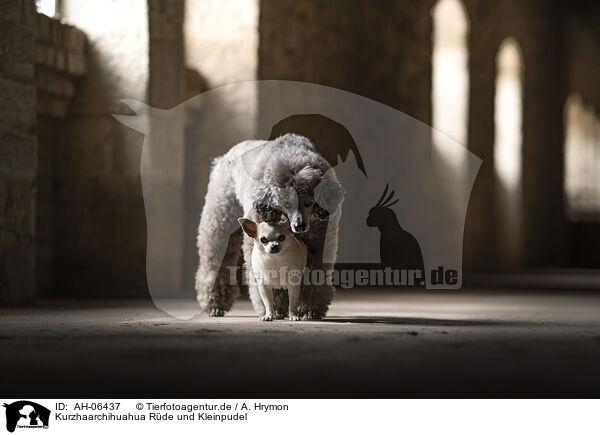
column 25, row 414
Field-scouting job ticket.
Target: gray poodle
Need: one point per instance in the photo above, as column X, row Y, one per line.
column 268, row 181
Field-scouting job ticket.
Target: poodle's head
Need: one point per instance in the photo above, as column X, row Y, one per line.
column 274, row 203
column 296, row 182
column 299, row 195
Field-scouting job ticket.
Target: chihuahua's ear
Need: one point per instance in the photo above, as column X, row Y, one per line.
column 249, row 227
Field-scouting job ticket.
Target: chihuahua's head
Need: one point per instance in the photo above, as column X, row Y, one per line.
column 271, row 238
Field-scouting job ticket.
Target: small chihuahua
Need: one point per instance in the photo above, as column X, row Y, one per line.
column 278, row 259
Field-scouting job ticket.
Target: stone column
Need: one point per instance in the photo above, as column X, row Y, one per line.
column 163, row 162
column 18, row 152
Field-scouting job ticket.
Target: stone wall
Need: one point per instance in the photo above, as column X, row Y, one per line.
column 583, row 56
column 135, row 51
column 61, row 86
column 99, row 224
column 18, row 152
column 537, row 27
column 383, row 52
column 60, row 65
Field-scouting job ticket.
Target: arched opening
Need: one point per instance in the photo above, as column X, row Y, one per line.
column 508, row 150
column 47, row 7
column 508, row 115
column 582, row 160
column 450, row 76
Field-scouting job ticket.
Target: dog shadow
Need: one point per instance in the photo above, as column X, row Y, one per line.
column 410, row 321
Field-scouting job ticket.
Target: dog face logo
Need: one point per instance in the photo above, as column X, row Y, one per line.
column 26, row 414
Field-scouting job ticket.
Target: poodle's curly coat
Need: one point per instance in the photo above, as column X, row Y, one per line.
column 263, row 180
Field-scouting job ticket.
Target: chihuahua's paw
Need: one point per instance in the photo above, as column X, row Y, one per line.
column 216, row 312
column 312, row 315
column 266, row 318
column 294, row 318
column 279, row 315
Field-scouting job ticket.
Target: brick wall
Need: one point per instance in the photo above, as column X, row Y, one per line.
column 60, row 66
column 92, row 238
column 18, row 152
column 60, row 59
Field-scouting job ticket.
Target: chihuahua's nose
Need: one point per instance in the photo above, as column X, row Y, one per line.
column 299, row 226
column 274, row 248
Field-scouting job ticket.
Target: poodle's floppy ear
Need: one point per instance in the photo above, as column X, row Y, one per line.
column 249, row 227
column 264, row 204
column 329, row 195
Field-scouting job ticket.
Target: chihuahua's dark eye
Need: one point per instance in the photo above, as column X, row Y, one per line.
column 263, row 240
column 281, row 238
column 307, row 203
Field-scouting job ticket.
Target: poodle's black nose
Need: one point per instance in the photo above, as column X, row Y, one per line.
column 299, row 227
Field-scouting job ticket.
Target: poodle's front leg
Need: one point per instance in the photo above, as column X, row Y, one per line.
column 314, row 301
column 266, row 293
column 315, row 297
column 215, row 292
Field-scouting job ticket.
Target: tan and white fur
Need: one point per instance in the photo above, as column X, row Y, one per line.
column 278, row 259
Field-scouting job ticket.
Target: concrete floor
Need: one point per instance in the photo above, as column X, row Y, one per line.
column 373, row 344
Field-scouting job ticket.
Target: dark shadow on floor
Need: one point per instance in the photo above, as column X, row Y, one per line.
column 414, row 321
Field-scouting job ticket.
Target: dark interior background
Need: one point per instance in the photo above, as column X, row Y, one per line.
column 72, row 221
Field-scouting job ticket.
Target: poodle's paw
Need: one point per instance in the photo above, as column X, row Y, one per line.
column 294, row 317
column 216, row 312
column 266, row 318
column 312, row 315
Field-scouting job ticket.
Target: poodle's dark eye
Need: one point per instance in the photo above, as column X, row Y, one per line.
column 263, row 240
column 321, row 212
column 281, row 238
column 308, row 203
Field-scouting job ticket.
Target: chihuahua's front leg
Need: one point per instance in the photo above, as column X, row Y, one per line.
column 294, row 296
column 266, row 293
